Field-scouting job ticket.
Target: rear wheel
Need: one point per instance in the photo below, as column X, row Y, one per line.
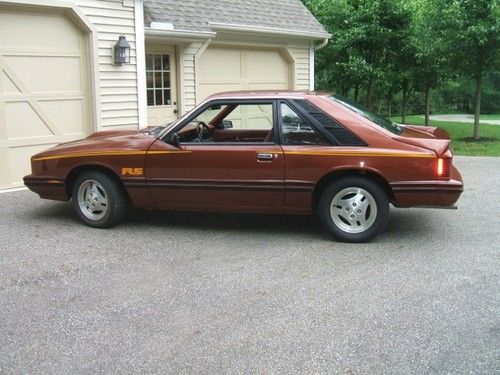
column 98, row 200
column 354, row 209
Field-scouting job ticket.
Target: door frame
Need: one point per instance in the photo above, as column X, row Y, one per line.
column 172, row 50
column 182, row 149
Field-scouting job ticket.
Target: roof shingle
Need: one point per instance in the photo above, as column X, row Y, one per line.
column 195, row 15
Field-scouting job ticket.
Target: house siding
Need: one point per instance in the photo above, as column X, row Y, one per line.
column 188, row 75
column 300, row 55
column 117, row 85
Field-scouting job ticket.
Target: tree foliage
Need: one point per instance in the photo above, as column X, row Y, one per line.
column 406, row 49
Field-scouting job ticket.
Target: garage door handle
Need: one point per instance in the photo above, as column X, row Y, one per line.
column 265, row 157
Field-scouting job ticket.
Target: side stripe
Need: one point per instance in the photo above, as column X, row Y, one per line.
column 109, row 153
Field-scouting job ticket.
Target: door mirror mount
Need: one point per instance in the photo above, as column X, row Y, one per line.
column 173, row 139
column 226, row 124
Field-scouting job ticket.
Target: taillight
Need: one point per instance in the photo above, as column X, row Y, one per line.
column 443, row 167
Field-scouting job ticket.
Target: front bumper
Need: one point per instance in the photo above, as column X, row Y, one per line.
column 437, row 193
column 47, row 187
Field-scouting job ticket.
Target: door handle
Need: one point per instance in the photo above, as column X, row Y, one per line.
column 265, row 156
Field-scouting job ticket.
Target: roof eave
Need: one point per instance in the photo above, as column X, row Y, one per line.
column 237, row 28
column 186, row 35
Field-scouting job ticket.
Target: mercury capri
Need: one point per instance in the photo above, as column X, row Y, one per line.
column 260, row 152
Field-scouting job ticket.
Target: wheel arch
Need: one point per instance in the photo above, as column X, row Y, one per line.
column 77, row 170
column 328, row 178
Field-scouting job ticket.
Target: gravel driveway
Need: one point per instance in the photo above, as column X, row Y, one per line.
column 213, row 294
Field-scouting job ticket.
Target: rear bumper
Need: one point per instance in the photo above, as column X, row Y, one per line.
column 47, row 187
column 428, row 193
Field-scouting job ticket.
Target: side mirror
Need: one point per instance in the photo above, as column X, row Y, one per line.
column 226, row 124
column 173, row 139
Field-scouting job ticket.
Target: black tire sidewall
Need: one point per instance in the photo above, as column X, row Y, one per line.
column 381, row 201
column 114, row 194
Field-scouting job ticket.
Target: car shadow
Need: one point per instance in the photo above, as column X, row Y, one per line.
column 409, row 222
column 210, row 221
column 403, row 223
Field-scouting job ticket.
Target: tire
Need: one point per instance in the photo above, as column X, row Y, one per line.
column 98, row 200
column 354, row 209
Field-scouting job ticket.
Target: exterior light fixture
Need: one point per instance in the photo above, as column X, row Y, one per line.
column 122, row 51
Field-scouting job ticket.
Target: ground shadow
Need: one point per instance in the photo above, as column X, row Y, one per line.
column 211, row 221
column 402, row 222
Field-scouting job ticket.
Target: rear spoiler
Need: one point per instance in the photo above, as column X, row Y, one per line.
column 439, row 146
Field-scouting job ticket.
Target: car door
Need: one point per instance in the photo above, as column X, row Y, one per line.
column 237, row 173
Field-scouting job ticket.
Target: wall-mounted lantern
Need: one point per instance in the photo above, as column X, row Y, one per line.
column 122, row 51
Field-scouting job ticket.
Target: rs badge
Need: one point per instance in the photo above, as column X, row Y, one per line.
column 132, row 171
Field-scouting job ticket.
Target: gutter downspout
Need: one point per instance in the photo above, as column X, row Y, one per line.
column 321, row 45
column 314, row 47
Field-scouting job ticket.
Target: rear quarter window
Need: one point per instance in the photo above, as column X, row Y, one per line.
column 341, row 135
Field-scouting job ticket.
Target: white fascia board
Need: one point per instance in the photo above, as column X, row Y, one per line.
column 184, row 35
column 267, row 30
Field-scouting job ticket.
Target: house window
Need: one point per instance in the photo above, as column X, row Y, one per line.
column 158, row 79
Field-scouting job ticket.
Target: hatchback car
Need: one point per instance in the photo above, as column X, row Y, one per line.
column 261, row 152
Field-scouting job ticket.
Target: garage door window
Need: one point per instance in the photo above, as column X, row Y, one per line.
column 158, row 79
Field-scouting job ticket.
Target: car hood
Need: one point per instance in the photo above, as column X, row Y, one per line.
column 111, row 140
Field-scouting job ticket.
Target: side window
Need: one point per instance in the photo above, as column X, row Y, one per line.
column 230, row 123
column 251, row 117
column 296, row 131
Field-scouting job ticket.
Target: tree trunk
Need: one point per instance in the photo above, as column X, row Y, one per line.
column 389, row 105
column 427, row 99
column 405, row 99
column 356, row 92
column 369, row 94
column 477, row 109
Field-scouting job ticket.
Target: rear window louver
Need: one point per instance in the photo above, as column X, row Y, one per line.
column 343, row 136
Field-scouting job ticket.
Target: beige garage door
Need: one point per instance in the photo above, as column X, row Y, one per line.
column 229, row 69
column 43, row 94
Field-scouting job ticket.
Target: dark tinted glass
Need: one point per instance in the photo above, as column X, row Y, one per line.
column 341, row 135
column 380, row 121
column 296, row 131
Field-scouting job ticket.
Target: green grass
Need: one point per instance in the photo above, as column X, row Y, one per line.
column 489, row 117
column 461, row 136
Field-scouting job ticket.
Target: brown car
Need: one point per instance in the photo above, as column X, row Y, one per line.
column 268, row 152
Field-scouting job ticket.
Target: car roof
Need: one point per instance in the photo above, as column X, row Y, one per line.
column 265, row 94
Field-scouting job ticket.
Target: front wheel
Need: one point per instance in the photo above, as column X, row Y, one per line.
column 98, row 200
column 354, row 209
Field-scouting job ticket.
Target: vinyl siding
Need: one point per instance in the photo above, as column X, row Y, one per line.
column 188, row 75
column 117, row 85
column 301, row 57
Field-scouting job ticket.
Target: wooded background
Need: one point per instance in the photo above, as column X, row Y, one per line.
column 412, row 56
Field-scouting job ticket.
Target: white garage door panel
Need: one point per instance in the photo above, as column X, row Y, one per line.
column 40, row 74
column 17, row 158
column 205, row 90
column 230, row 69
column 21, row 113
column 43, row 88
column 48, row 31
column 266, row 66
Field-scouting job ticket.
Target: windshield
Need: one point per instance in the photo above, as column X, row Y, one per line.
column 380, row 121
